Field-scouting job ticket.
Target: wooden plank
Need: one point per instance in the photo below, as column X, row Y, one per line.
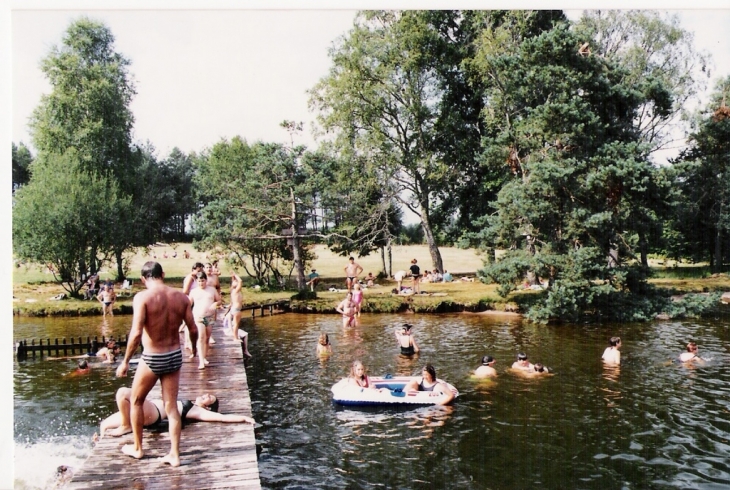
column 212, row 454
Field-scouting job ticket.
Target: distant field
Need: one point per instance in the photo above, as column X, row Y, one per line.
column 328, row 264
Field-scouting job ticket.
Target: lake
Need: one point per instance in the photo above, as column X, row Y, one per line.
column 653, row 423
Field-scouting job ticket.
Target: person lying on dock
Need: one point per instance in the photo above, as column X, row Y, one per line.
column 204, row 408
column 429, row 382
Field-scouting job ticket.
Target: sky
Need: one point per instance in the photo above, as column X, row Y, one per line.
column 210, row 70
column 204, row 75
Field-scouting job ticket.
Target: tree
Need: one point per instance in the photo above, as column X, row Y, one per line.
column 702, row 179
column 88, row 106
column 581, row 186
column 659, row 58
column 60, row 218
column 383, row 100
column 22, row 159
column 246, row 197
column 88, row 111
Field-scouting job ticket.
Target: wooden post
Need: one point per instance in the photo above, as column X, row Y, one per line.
column 32, row 342
column 65, row 347
column 48, row 346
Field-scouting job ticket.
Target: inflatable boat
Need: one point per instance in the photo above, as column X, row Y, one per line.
column 389, row 391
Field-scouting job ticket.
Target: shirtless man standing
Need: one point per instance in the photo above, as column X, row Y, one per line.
column 233, row 317
column 347, row 308
column 205, row 300
column 352, row 270
column 189, row 283
column 107, row 297
column 158, row 312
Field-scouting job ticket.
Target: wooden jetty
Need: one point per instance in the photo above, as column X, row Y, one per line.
column 212, row 454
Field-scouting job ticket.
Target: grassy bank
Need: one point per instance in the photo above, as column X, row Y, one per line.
column 33, row 287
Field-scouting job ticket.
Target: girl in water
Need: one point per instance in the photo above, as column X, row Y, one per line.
column 324, row 348
column 406, row 341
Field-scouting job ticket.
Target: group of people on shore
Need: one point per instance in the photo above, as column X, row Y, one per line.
column 159, row 311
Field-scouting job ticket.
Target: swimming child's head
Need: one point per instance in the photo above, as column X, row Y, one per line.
column 324, row 339
column 83, row 364
column 539, row 367
column 692, row 346
column 521, row 356
column 487, row 360
column 614, row 341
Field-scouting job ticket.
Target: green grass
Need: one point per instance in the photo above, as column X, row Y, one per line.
column 33, row 288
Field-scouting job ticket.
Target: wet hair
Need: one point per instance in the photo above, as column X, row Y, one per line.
column 486, row 360
column 324, row 339
column 407, row 327
column 691, row 346
column 540, row 368
column 521, row 356
column 431, row 370
column 201, row 275
column 614, row 341
column 152, row 270
column 354, row 365
column 83, row 364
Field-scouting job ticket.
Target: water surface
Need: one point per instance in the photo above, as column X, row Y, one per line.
column 653, row 423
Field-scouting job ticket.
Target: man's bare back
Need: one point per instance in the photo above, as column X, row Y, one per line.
column 158, row 312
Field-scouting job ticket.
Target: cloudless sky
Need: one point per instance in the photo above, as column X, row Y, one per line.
column 204, row 74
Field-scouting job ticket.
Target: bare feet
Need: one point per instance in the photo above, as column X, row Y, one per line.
column 205, row 361
column 173, row 461
column 129, row 450
column 211, row 340
column 247, row 354
column 120, row 431
column 201, row 366
column 191, row 356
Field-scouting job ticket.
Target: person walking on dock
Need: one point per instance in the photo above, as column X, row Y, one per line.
column 205, row 300
column 158, row 312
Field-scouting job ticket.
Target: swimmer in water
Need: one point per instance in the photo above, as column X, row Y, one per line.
column 691, row 354
column 324, row 348
column 522, row 363
column 486, row 370
column 612, row 355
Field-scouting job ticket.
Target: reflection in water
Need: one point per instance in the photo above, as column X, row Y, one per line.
column 651, row 424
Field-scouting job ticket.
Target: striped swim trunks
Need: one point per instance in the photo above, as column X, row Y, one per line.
column 163, row 363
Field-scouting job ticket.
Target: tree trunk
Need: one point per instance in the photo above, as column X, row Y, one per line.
column 717, row 263
column 382, row 259
column 643, row 250
column 118, row 254
column 431, row 241
column 296, row 245
column 390, row 259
